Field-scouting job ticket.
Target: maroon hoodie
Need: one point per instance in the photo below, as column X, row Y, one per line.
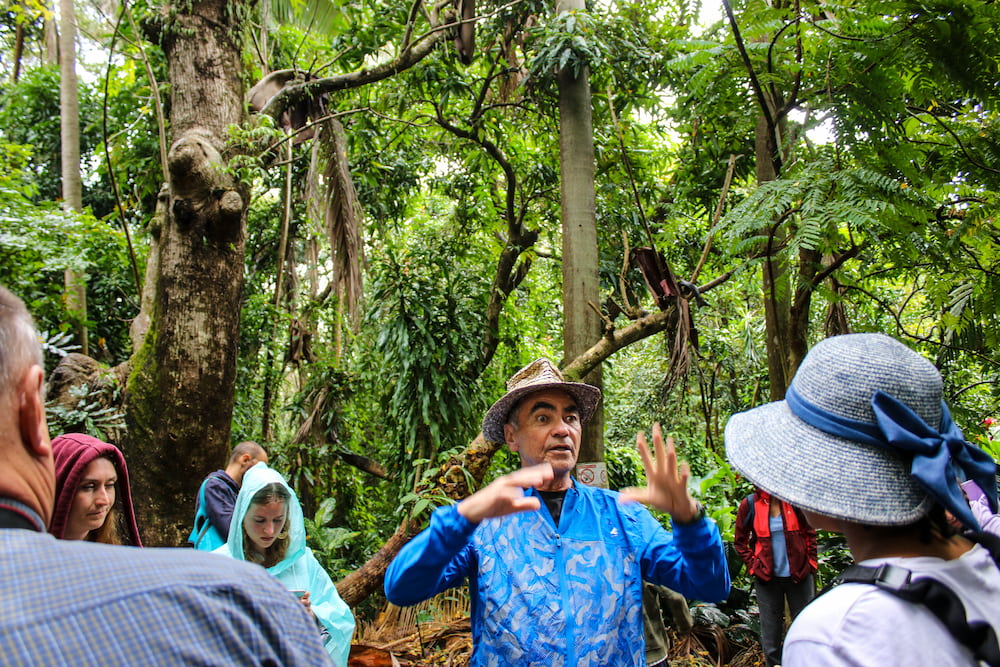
column 73, row 452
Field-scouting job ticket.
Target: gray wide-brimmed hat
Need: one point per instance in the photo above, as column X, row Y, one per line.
column 844, row 380
column 538, row 375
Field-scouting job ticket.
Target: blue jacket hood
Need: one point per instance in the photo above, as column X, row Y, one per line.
column 254, row 480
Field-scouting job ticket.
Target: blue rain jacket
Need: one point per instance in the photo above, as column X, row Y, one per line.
column 299, row 570
column 560, row 596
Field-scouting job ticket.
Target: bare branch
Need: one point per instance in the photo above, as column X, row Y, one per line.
column 730, row 168
column 410, row 54
column 616, row 340
column 755, row 84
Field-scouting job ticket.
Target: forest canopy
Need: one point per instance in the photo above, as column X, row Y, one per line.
column 336, row 228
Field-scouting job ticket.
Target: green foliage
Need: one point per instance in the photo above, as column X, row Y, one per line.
column 122, row 101
column 420, row 504
column 889, row 152
column 29, row 115
column 83, row 409
column 16, row 189
column 250, row 145
column 57, row 345
column 568, row 41
column 86, row 414
column 38, row 242
column 326, row 17
column 327, row 541
column 721, row 492
column 833, row 557
column 621, row 51
column 989, row 437
column 825, row 208
column 426, row 313
column 624, row 466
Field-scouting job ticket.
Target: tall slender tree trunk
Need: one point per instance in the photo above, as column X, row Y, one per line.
column 581, row 283
column 18, row 52
column 50, row 49
column 75, row 282
column 179, row 395
column 787, row 290
column 774, row 276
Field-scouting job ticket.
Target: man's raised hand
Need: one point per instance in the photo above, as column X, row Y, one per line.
column 666, row 488
column 505, row 495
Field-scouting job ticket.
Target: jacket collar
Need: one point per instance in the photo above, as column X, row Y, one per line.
column 14, row 514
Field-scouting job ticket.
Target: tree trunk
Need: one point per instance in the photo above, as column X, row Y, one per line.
column 75, row 282
column 50, row 51
column 774, row 276
column 179, row 396
column 786, row 305
column 358, row 585
column 581, row 282
column 810, row 262
column 18, row 52
column 140, row 324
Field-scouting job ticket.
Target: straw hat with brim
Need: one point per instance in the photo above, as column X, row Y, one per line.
column 538, row 375
column 831, row 475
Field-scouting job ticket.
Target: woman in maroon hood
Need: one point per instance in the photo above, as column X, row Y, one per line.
column 93, row 499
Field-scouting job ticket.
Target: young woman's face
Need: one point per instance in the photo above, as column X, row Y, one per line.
column 95, row 496
column 262, row 524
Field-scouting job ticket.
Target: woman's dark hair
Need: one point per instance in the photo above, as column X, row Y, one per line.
column 937, row 524
column 273, row 492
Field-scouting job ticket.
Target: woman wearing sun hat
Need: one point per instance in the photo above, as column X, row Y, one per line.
column 864, row 444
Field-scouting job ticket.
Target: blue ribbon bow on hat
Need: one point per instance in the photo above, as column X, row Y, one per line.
column 936, row 453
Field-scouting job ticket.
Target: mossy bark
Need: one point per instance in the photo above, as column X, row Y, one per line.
column 179, row 395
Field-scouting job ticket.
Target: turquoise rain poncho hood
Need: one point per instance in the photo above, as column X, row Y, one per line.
column 299, row 569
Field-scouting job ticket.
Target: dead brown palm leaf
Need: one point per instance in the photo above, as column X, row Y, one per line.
column 343, row 218
column 666, row 291
column 751, row 656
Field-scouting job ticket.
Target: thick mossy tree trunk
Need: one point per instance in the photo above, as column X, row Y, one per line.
column 179, row 395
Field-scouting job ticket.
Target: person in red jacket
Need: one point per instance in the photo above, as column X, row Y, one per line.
column 779, row 548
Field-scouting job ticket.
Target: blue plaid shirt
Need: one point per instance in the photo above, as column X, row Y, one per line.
column 80, row 603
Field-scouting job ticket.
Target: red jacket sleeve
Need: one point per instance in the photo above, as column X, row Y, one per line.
column 811, row 552
column 744, row 539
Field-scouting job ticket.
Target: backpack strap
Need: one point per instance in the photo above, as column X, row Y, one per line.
column 201, row 522
column 751, row 510
column 978, row 636
column 989, row 541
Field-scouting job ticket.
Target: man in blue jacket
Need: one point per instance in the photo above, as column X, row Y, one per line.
column 555, row 568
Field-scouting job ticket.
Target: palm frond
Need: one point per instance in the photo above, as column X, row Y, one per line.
column 343, row 217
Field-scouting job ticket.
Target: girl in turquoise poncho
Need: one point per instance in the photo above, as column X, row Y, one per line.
column 273, row 535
